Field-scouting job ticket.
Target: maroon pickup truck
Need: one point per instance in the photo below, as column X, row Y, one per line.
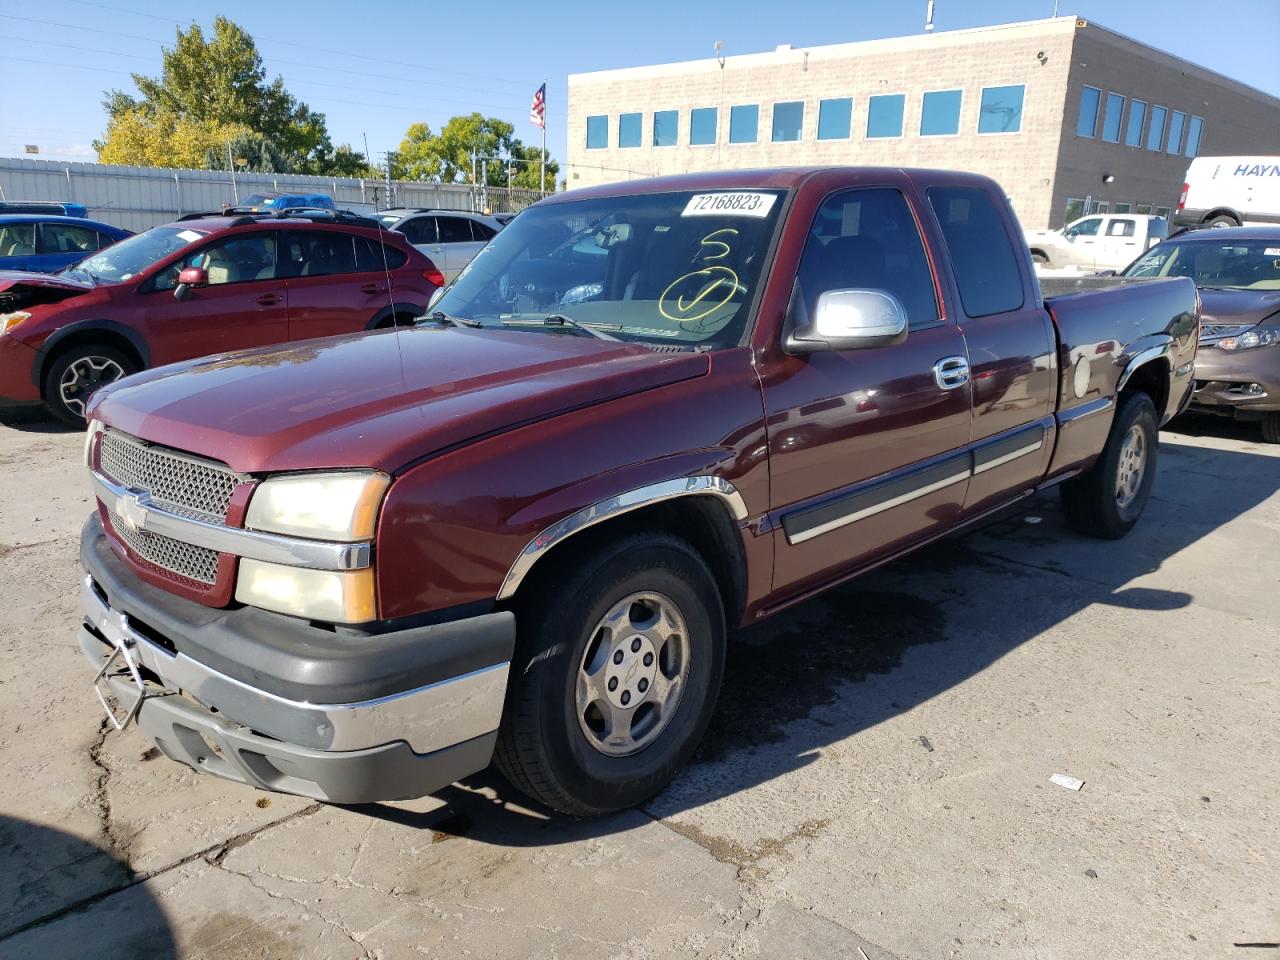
column 360, row 568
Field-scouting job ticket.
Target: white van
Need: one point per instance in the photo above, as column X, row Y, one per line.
column 1230, row 192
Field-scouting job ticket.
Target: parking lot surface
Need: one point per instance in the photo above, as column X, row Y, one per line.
column 875, row 784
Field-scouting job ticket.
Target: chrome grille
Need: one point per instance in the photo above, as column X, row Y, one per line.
column 184, row 559
column 177, row 481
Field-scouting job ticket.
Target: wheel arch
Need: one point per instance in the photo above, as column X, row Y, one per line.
column 1222, row 212
column 1149, row 372
column 106, row 332
column 703, row 510
column 393, row 310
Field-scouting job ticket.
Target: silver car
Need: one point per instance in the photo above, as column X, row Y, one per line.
column 449, row 237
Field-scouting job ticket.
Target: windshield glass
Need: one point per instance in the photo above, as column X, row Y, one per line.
column 126, row 259
column 389, row 219
column 259, row 200
column 675, row 268
column 1235, row 265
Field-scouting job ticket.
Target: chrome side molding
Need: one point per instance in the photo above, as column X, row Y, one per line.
column 616, row 506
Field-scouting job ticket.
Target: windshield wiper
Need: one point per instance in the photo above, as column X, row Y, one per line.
column 439, row 316
column 560, row 320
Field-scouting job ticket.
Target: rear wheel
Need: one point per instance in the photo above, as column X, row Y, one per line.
column 1271, row 427
column 617, row 672
column 1107, row 500
column 78, row 374
column 1039, row 257
column 1223, row 220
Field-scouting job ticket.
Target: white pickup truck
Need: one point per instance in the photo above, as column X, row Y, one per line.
column 1102, row 241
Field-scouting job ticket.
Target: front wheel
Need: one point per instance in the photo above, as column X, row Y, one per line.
column 78, row 374
column 1271, row 427
column 617, row 673
column 1107, row 500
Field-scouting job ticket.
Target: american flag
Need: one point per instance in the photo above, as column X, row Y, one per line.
column 538, row 112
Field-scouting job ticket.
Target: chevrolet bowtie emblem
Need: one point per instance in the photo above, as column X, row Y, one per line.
column 130, row 511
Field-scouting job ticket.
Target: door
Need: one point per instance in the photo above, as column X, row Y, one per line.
column 867, row 448
column 1083, row 237
column 422, row 233
column 245, row 303
column 59, row 245
column 336, row 280
column 1118, row 244
column 18, row 246
column 1011, row 343
column 459, row 244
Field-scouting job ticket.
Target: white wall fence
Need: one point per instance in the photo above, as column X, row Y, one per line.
column 138, row 198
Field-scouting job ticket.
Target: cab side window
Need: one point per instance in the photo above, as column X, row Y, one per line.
column 868, row 239
column 454, row 229
column 419, row 230
column 17, row 239
column 1121, row 228
column 373, row 257
column 67, row 238
column 988, row 270
column 237, row 259
column 320, row 254
column 1085, row 228
column 481, row 232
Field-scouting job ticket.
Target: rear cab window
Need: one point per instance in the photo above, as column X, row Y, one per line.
column 987, row 269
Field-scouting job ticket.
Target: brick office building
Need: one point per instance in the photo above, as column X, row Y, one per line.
column 1062, row 112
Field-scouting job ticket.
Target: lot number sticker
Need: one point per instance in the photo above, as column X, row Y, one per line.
column 729, row 205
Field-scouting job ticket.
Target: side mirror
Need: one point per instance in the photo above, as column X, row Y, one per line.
column 188, row 280
column 848, row 320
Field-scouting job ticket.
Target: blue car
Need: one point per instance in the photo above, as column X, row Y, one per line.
column 285, row 201
column 44, row 244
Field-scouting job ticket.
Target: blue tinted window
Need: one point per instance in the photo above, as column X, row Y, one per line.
column 1193, row 136
column 629, row 130
column 597, row 133
column 1001, row 109
column 1155, row 133
column 744, row 121
column 1133, row 129
column 702, row 126
column 788, row 119
column 834, row 118
column 940, row 113
column 884, row 115
column 1111, row 119
column 987, row 269
column 1087, row 125
column 666, row 126
column 1176, row 123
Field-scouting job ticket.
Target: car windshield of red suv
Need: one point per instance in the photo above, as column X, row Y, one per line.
column 677, row 268
column 124, row 260
column 1214, row 264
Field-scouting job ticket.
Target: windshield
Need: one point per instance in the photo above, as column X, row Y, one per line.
column 675, row 268
column 126, row 259
column 259, row 200
column 1233, row 265
column 389, row 220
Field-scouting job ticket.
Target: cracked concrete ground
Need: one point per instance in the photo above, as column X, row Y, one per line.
column 874, row 786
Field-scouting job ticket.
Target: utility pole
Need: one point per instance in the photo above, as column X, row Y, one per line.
column 387, row 158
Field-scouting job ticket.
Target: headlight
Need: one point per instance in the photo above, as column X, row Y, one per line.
column 10, row 320
column 322, row 506
column 330, row 596
column 1257, row 337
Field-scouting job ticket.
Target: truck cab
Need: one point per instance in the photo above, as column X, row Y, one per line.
column 1102, row 241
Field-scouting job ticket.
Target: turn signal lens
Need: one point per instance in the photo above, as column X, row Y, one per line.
column 10, row 320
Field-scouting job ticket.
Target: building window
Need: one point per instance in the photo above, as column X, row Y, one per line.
column 1101, row 206
column 1001, row 109
column 940, row 113
column 1155, row 132
column 835, row 118
column 597, row 132
column 629, row 130
column 1176, row 123
column 744, row 123
column 1162, row 213
column 1087, row 125
column 1133, row 129
column 1144, row 209
column 884, row 115
column 702, row 126
column 788, row 121
column 1124, row 207
column 1074, row 210
column 1111, row 119
column 666, row 127
column 1194, row 129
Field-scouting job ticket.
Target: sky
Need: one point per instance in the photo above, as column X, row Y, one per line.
column 396, row 62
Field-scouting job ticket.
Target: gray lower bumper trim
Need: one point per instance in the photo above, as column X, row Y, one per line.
column 189, row 734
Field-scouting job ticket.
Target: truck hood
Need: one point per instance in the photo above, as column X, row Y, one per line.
column 378, row 400
column 1238, row 307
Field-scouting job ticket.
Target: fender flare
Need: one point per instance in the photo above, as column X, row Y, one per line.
column 391, row 309
column 1210, row 214
column 616, row 506
column 112, row 327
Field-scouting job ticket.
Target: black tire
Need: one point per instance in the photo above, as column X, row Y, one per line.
column 1091, row 501
column 1223, row 220
column 542, row 747
column 1038, row 257
column 1271, row 427
column 106, row 364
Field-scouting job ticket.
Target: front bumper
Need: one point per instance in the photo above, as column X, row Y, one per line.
column 1225, row 379
column 277, row 725
column 16, row 383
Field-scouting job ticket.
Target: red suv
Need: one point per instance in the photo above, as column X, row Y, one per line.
column 205, row 284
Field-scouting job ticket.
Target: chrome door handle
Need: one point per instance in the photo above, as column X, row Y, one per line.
column 951, row 372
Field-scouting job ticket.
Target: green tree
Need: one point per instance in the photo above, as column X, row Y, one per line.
column 446, row 157
column 217, row 84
